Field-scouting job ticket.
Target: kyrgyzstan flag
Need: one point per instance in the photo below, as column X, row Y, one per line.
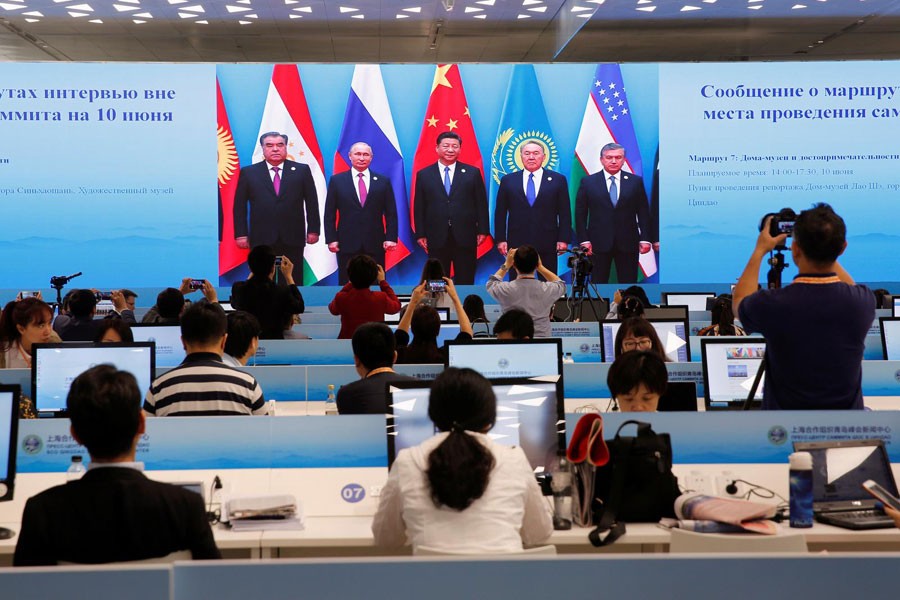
column 230, row 255
column 447, row 111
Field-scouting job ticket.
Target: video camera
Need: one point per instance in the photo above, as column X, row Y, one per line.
column 579, row 258
column 782, row 222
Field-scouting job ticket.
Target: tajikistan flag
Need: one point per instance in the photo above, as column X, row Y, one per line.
column 286, row 112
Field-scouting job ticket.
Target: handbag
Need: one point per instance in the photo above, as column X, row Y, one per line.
column 636, row 485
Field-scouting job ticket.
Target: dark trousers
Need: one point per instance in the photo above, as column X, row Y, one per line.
column 626, row 266
column 344, row 257
column 462, row 258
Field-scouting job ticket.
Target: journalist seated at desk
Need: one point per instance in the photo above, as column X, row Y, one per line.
column 203, row 385
column 636, row 381
column 637, row 333
column 514, row 324
column 22, row 324
column 374, row 354
column 113, row 513
column 460, row 492
column 243, row 339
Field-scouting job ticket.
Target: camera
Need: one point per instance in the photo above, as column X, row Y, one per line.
column 197, row 284
column 436, row 285
column 782, row 222
column 579, row 258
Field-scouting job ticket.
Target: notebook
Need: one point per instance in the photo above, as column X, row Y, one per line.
column 839, row 470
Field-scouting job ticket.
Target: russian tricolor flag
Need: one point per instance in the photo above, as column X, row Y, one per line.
column 368, row 119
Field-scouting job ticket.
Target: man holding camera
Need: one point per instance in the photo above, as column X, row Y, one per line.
column 815, row 328
column 526, row 292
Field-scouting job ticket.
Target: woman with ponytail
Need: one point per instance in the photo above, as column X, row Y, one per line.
column 722, row 319
column 459, row 492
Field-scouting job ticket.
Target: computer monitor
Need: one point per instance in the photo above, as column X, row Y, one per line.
column 443, row 313
column 841, row 466
column 169, row 348
column 666, row 312
column 497, row 359
column 890, row 337
column 729, row 369
column 693, row 300
column 528, row 411
column 680, row 396
column 895, row 303
column 673, row 333
column 9, row 424
column 55, row 366
column 226, row 306
column 567, row 310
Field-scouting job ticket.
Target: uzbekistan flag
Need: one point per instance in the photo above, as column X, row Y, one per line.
column 287, row 112
column 607, row 118
column 368, row 119
column 230, row 256
column 447, row 111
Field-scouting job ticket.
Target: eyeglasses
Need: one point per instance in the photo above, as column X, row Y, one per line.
column 637, row 344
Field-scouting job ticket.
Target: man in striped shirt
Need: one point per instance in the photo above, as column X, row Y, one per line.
column 203, row 385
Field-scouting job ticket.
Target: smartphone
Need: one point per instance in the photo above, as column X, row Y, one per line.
column 436, row 285
column 886, row 498
column 278, row 261
column 197, row 284
column 28, row 294
column 104, row 296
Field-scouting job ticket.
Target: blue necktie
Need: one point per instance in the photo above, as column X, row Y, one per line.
column 613, row 190
column 447, row 180
column 529, row 189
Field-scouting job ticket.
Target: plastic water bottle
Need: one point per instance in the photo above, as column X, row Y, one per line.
column 76, row 469
column 561, row 484
column 801, row 497
column 331, row 401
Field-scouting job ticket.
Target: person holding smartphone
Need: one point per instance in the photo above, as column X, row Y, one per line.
column 433, row 277
column 525, row 292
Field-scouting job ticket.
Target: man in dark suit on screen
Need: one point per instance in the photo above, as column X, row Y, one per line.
column 283, row 203
column 451, row 211
column 533, row 208
column 612, row 218
column 360, row 212
column 114, row 513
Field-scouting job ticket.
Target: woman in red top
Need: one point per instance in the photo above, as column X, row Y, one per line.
column 356, row 303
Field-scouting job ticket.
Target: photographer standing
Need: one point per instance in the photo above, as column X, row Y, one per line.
column 815, row 328
column 525, row 292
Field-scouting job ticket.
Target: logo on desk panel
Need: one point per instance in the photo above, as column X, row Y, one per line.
column 353, row 493
column 778, row 435
column 32, row 444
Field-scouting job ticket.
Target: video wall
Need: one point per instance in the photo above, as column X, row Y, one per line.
column 123, row 171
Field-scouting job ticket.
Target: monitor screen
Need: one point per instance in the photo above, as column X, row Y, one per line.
column 443, row 313
column 729, row 368
column 508, row 358
column 169, row 349
column 890, row 337
column 55, row 366
column 673, row 333
column 9, row 421
column 671, row 311
column 841, row 467
column 693, row 300
column 527, row 415
column 895, row 301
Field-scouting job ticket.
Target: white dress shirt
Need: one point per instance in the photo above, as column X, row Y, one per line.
column 512, row 511
column 538, row 175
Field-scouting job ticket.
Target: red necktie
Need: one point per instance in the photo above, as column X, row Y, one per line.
column 362, row 190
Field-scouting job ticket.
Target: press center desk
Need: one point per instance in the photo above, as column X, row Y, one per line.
column 352, row 536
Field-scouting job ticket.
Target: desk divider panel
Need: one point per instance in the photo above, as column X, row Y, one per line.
column 583, row 349
column 303, row 352
column 754, row 437
column 588, row 380
column 145, row 582
column 319, row 331
column 600, row 576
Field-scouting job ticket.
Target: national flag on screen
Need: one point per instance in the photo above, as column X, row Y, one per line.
column 286, row 112
column 447, row 111
column 523, row 118
column 230, row 255
column 607, row 118
column 368, row 119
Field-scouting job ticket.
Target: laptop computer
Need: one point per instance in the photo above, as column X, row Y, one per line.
column 839, row 470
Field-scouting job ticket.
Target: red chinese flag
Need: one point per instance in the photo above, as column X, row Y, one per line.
column 230, row 255
column 447, row 111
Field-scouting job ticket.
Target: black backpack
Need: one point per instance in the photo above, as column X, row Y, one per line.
column 636, row 485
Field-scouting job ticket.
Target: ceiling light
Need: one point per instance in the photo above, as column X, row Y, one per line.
column 138, row 21
column 539, row 9
column 234, row 9
column 289, row 2
column 575, row 9
column 306, row 9
column 347, row 9
column 204, row 22
column 413, row 9
column 196, row 8
column 688, row 8
column 796, row 6
column 646, row 8
column 524, row 17
column 32, row 20
column 243, row 1
column 124, row 8
column 184, row 15
column 74, row 15
column 293, row 16
column 402, row 16
column 83, row 7
column 486, row 2
column 245, row 22
column 34, row 13
column 480, row 16
column 448, row 4
column 144, row 15
column 471, row 9
column 99, row 21
column 757, row 7
column 357, row 16
column 531, row 2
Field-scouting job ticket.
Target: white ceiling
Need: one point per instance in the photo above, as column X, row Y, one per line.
column 424, row 31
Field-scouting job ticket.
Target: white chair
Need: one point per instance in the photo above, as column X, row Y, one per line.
column 692, row 542
column 545, row 550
